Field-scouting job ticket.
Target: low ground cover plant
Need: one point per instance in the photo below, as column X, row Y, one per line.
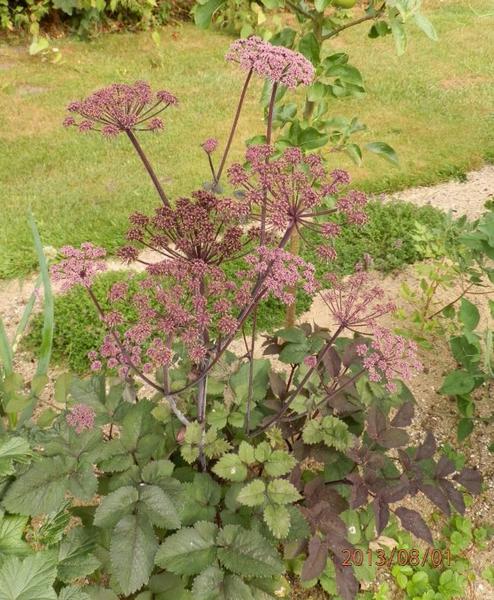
column 199, row 472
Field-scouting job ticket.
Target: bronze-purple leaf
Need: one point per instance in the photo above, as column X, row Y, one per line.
column 436, row 496
column 332, row 362
column 316, row 559
column 393, row 438
column 381, row 514
column 347, row 583
column 453, row 495
column 359, row 493
column 470, row 479
column 404, row 459
column 404, row 416
column 396, row 491
column 427, row 448
column 278, row 384
column 413, row 522
column 376, row 422
column 444, row 467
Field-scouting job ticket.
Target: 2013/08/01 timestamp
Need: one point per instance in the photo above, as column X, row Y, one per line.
column 402, row 557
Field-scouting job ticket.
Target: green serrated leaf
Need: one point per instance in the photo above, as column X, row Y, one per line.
column 278, row 520
column 253, row 494
column 230, row 467
column 190, row 550
column 75, row 558
column 132, row 550
column 28, row 579
column 40, row 489
column 247, row 553
column 246, row 453
column 116, row 505
column 279, row 463
column 158, row 506
column 281, row 491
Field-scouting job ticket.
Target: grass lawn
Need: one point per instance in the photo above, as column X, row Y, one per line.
column 435, row 105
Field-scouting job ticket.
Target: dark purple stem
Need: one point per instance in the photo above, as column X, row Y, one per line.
column 234, row 126
column 148, row 166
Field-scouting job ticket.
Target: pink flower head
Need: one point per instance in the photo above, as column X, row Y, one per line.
column 310, row 361
column 354, row 302
column 389, row 357
column 81, row 417
column 121, row 107
column 210, row 145
column 276, row 63
column 79, row 266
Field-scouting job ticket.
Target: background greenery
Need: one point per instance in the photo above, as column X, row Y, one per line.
column 434, row 106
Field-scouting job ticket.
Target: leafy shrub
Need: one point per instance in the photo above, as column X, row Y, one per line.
column 387, row 238
column 86, row 16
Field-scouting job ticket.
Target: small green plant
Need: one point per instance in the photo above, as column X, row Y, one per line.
column 18, row 398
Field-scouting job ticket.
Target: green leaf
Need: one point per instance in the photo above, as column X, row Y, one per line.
column 426, row 26
column 73, row 593
column 469, row 314
column 253, row 494
column 281, row 491
column 293, row 353
column 239, row 381
column 159, row 507
column 40, row 489
column 116, row 505
column 309, row 47
column 354, row 152
column 465, row 428
column 75, row 558
column 28, row 579
column 132, row 550
column 11, row 532
column 456, row 383
column 278, row 520
column 247, row 553
column 230, row 467
column 48, row 305
column 291, row 334
column 190, row 550
column 384, row 150
column 214, row 584
column 399, row 35
column 279, row 463
column 310, row 139
column 203, row 13
column 246, row 453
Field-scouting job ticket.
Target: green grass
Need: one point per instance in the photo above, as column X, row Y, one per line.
column 435, row 105
column 78, row 330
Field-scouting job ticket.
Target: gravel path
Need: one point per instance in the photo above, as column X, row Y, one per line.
column 463, row 198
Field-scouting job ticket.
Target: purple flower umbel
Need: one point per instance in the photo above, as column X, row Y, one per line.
column 81, row 417
column 121, row 107
column 276, row 63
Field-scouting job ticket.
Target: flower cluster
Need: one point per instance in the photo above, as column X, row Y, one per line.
column 293, row 189
column 281, row 272
column 79, row 266
column 210, row 145
column 178, row 300
column 121, row 107
column 276, row 63
column 355, row 302
column 207, row 228
column 81, row 417
column 389, row 357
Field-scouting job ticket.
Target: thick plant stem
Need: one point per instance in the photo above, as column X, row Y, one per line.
column 269, row 133
column 234, row 126
column 291, row 310
column 148, row 166
column 201, row 417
